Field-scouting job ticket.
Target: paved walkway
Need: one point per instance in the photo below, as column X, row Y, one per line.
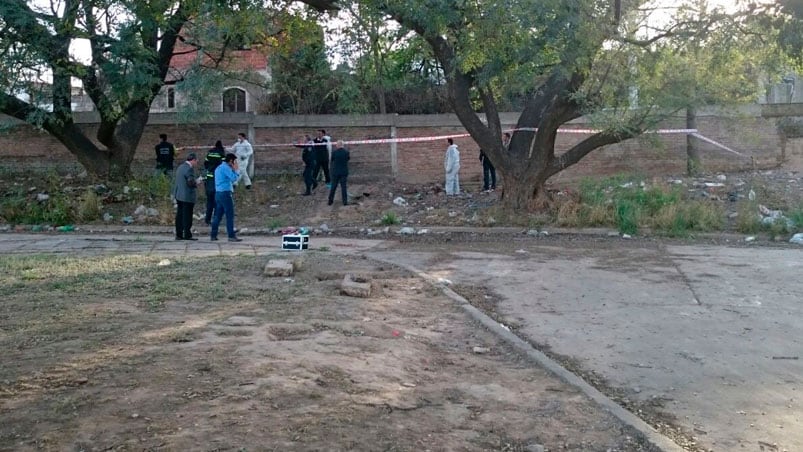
column 713, row 333
column 163, row 245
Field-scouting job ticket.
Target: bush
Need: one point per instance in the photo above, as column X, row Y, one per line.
column 679, row 219
column 149, row 187
column 390, row 218
column 19, row 208
column 627, row 216
column 90, row 206
column 796, row 215
column 748, row 221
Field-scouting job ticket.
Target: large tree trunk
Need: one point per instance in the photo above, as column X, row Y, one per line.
column 523, row 191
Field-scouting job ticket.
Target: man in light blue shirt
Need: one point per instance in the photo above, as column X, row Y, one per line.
column 225, row 177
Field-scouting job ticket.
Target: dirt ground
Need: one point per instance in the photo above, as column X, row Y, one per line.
column 136, row 353
column 275, row 202
column 119, row 353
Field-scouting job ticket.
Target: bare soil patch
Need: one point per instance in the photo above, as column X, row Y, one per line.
column 122, row 353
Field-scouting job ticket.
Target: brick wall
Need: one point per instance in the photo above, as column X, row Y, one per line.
column 422, row 162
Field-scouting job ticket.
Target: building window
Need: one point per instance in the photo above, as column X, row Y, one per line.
column 234, row 100
column 171, row 98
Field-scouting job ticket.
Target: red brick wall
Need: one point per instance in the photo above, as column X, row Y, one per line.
column 422, row 162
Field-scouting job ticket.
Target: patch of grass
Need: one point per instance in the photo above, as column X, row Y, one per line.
column 89, row 207
column 796, row 216
column 275, row 223
column 627, row 203
column 682, row 218
column 145, row 188
column 568, row 213
column 20, row 207
column 778, row 227
column 390, row 218
column 748, row 221
column 627, row 216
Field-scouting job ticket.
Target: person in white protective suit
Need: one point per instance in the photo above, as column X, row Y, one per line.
column 245, row 156
column 451, row 163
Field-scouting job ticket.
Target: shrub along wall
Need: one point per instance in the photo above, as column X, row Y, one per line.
column 759, row 140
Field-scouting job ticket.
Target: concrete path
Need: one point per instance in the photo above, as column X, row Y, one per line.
column 163, row 245
column 716, row 333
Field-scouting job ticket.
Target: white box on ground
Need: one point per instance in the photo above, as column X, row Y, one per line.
column 295, row 242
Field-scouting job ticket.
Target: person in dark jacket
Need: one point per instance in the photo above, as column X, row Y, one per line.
column 165, row 154
column 488, row 173
column 308, row 157
column 340, row 172
column 184, row 192
column 323, row 146
column 213, row 158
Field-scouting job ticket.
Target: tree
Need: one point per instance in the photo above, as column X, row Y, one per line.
column 719, row 65
column 302, row 81
column 570, row 58
column 131, row 42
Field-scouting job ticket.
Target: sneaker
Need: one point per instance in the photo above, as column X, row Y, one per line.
column 214, row 239
column 235, row 239
column 329, row 203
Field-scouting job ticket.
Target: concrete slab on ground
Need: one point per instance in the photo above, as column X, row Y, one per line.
column 714, row 332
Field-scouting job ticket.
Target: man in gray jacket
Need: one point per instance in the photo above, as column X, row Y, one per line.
column 184, row 192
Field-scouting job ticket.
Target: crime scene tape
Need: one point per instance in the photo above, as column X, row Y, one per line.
column 720, row 145
column 693, row 132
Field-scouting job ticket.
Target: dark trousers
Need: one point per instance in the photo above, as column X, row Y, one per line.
column 322, row 164
column 488, row 175
column 210, row 200
column 339, row 179
column 224, row 205
column 184, row 220
column 309, row 181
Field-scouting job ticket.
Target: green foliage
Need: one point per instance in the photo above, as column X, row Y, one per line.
column 796, row 216
column 150, row 187
column 748, row 221
column 390, row 218
column 20, row 208
column 628, row 204
column 778, row 227
column 627, row 216
column 302, row 81
column 89, row 207
column 275, row 223
column 682, row 218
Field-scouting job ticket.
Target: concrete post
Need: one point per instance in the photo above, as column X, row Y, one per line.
column 394, row 157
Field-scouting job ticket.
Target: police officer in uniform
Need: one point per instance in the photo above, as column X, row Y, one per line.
column 308, row 157
column 165, row 153
column 213, row 159
column 323, row 146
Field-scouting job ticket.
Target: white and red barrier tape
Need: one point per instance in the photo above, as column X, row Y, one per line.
column 693, row 132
